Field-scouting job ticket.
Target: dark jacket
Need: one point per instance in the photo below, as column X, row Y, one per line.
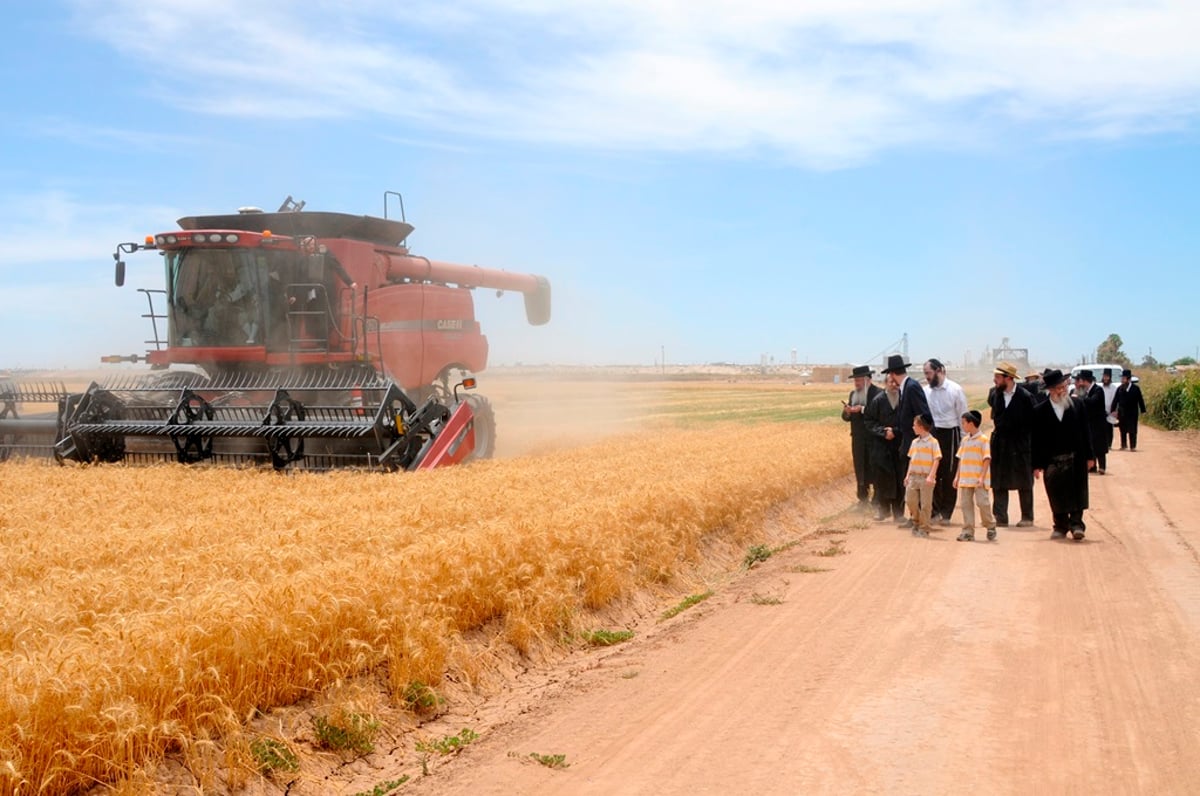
column 1012, row 465
column 1095, row 405
column 912, row 404
column 1070, row 437
column 883, row 462
column 855, row 419
column 1129, row 402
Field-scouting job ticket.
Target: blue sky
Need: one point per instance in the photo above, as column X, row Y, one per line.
column 720, row 181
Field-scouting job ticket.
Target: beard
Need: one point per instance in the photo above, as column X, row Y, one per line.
column 1061, row 401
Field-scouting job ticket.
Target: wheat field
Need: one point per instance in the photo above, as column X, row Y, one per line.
column 148, row 612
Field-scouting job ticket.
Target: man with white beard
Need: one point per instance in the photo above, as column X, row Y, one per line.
column 1063, row 454
column 860, row 438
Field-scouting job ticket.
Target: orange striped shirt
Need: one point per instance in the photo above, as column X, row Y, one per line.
column 974, row 456
column 923, row 453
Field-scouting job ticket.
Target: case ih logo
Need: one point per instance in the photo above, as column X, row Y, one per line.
column 450, row 325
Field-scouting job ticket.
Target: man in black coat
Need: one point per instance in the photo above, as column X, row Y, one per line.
column 912, row 404
column 1094, row 402
column 860, row 439
column 885, row 469
column 1062, row 455
column 1130, row 405
column 1012, row 465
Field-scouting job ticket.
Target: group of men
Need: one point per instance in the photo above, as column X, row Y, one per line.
column 1039, row 432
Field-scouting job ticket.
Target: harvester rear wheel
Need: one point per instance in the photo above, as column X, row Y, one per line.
column 485, row 427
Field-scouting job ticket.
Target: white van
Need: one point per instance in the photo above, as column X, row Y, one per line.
column 1097, row 369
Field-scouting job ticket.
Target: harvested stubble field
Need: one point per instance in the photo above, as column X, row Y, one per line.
column 154, row 613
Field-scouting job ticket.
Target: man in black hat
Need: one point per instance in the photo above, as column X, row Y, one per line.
column 1130, row 405
column 1062, row 455
column 912, row 404
column 860, row 439
column 1097, row 415
column 885, row 469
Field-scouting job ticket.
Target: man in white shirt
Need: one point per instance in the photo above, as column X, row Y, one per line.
column 947, row 404
column 1110, row 406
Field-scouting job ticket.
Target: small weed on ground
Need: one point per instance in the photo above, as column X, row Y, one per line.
column 346, row 732
column 551, row 761
column 606, row 638
column 384, row 788
column 449, row 744
column 273, row 755
column 765, row 599
column 755, row 554
column 688, row 602
column 807, row 568
column 421, row 699
column 834, row 549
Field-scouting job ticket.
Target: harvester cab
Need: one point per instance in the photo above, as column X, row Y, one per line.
column 306, row 339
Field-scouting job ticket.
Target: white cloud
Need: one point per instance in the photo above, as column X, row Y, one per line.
column 822, row 83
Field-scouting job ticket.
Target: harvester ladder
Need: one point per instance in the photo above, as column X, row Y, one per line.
column 158, row 341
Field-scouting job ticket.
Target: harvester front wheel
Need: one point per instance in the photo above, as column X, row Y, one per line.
column 485, row 426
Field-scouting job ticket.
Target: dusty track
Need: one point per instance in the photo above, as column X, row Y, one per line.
column 910, row 666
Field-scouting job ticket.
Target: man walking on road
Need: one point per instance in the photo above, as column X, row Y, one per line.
column 1012, row 466
column 1097, row 416
column 947, row 403
column 860, row 439
column 1062, row 455
column 1129, row 405
column 912, row 405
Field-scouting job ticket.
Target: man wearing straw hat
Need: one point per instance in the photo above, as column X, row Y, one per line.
column 1012, row 467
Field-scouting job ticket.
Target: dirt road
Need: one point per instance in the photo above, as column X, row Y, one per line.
column 908, row 666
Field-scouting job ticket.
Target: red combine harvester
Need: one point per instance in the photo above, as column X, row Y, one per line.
column 307, row 339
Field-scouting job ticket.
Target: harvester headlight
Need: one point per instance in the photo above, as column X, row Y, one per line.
column 198, row 238
column 231, row 238
column 161, row 239
column 214, row 237
column 172, row 239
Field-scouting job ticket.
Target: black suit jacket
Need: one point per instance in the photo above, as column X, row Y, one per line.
column 912, row 403
column 857, row 429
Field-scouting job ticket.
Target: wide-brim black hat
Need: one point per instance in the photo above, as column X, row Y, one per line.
column 861, row 370
column 1127, row 373
column 1053, row 378
column 896, row 364
column 1086, row 375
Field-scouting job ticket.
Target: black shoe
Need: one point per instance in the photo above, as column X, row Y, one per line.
column 1058, row 534
column 1024, row 524
column 1001, row 523
column 1077, row 535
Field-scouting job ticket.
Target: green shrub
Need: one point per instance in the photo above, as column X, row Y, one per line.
column 1174, row 403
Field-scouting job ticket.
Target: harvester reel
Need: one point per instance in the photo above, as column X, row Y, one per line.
column 94, row 406
column 191, row 448
column 284, row 450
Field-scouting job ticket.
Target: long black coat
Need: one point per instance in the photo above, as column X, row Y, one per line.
column 1012, row 463
column 1096, row 406
column 883, row 457
column 1129, row 403
column 912, row 403
column 855, row 419
column 1054, row 438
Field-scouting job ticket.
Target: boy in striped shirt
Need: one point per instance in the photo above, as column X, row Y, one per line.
column 924, row 456
column 974, row 477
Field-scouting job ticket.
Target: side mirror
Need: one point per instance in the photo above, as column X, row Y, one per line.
column 120, row 273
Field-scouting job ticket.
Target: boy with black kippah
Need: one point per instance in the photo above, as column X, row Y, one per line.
column 974, row 477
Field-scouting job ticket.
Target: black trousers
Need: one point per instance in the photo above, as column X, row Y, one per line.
column 1129, row 432
column 945, row 496
column 860, row 445
column 1000, row 504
